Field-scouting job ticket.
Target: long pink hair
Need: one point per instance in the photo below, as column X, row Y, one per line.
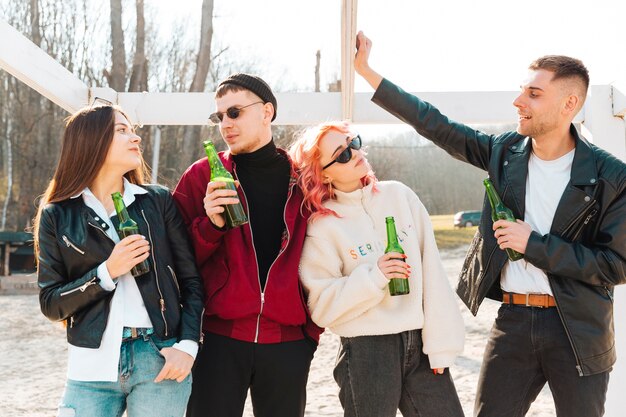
column 305, row 153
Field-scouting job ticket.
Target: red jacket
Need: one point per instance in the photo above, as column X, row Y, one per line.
column 235, row 306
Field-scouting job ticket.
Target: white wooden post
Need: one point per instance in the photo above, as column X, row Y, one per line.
column 348, row 41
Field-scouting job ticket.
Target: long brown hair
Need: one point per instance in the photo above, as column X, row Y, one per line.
column 85, row 145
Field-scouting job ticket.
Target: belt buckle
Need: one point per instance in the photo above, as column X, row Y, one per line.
column 528, row 300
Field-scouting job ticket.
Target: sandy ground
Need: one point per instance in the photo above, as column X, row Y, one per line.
column 33, row 360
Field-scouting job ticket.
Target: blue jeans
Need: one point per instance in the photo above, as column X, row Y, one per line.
column 528, row 347
column 377, row 375
column 134, row 391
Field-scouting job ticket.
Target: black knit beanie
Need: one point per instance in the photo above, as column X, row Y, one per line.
column 254, row 84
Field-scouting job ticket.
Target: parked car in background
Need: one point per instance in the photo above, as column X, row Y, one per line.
column 467, row 218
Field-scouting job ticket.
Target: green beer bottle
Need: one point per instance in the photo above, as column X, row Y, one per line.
column 126, row 228
column 397, row 286
column 234, row 214
column 500, row 212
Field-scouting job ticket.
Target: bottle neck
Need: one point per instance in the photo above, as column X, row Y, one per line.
column 492, row 195
column 217, row 168
column 392, row 238
column 392, row 235
column 120, row 208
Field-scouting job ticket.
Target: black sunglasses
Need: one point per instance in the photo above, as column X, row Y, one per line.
column 99, row 101
column 231, row 112
column 346, row 155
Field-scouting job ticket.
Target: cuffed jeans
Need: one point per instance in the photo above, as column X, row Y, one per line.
column 377, row 375
column 528, row 347
column 135, row 391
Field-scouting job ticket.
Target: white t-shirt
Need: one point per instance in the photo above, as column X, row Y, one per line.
column 545, row 184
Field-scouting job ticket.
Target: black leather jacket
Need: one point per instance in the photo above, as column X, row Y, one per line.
column 584, row 255
column 73, row 243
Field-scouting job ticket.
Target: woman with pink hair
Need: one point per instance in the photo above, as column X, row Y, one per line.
column 394, row 349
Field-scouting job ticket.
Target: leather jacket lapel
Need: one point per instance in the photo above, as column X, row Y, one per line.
column 516, row 171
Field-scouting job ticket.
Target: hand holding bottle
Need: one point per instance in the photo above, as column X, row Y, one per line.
column 233, row 213
column 392, row 265
column 512, row 235
column 127, row 253
column 214, row 200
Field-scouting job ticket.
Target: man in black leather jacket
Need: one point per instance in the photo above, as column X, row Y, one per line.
column 559, row 327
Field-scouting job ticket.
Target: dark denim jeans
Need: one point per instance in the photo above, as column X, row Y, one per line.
column 379, row 374
column 528, row 347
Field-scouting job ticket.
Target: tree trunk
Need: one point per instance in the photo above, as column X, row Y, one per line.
column 190, row 137
column 35, row 32
column 204, row 53
column 117, row 76
column 139, row 75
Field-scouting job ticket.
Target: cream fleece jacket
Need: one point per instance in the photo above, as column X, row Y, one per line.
column 348, row 293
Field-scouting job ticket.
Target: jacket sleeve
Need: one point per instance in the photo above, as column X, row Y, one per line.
column 335, row 298
column 443, row 332
column 460, row 141
column 189, row 196
column 61, row 296
column 602, row 263
column 190, row 283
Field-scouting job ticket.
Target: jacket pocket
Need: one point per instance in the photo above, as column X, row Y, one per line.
column 217, row 278
column 68, row 243
column 175, row 280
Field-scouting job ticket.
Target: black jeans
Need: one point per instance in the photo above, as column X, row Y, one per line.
column 528, row 347
column 377, row 375
column 276, row 375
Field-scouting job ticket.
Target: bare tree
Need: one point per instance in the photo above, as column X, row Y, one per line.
column 139, row 75
column 117, row 76
column 203, row 62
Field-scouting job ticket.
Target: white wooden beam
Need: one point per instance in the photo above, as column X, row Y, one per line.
column 312, row 108
column 35, row 68
column 348, row 42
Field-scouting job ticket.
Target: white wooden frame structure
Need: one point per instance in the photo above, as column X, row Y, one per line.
column 602, row 117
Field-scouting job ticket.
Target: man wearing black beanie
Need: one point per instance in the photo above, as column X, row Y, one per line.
column 257, row 330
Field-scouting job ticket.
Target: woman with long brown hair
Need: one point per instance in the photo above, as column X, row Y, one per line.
column 132, row 339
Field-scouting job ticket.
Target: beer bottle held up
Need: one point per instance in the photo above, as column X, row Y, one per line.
column 397, row 286
column 234, row 214
column 127, row 228
column 500, row 212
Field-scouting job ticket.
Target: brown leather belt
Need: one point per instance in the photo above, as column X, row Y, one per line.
column 529, row 300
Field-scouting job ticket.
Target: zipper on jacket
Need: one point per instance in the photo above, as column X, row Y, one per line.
column 174, row 278
column 71, row 321
column 71, row 245
column 156, row 273
column 201, row 337
column 567, row 332
column 587, row 219
column 290, row 193
column 82, row 288
column 577, row 218
column 102, row 230
column 609, row 293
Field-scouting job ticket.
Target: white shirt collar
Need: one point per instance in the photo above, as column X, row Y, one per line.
column 130, row 190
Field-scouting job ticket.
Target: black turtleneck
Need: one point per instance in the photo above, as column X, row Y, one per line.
column 264, row 177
